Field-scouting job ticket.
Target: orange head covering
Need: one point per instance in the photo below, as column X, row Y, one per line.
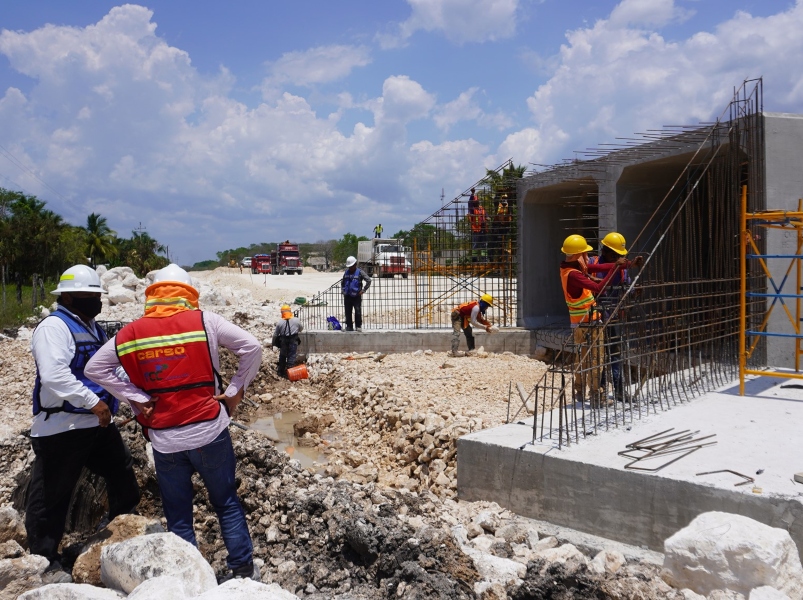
column 166, row 298
column 287, row 312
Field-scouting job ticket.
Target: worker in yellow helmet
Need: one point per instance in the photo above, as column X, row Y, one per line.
column 466, row 314
column 579, row 291
column 285, row 338
column 612, row 248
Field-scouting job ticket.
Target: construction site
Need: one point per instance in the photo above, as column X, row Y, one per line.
column 398, row 469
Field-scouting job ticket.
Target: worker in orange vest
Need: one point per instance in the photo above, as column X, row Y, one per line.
column 579, row 290
column 478, row 222
column 466, row 314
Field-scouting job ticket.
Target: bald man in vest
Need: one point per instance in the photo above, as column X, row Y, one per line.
column 579, row 290
column 171, row 358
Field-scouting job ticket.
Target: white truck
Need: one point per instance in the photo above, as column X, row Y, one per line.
column 383, row 257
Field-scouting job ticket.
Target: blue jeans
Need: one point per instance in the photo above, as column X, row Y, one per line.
column 215, row 464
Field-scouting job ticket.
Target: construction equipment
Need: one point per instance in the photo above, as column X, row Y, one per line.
column 384, row 257
column 286, row 259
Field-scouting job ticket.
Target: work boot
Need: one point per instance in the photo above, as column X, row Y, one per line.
column 471, row 352
column 359, row 329
column 349, row 328
column 55, row 573
column 247, row 571
column 456, row 353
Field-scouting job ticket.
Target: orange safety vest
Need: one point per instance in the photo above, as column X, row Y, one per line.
column 170, row 358
column 465, row 311
column 580, row 309
column 477, row 219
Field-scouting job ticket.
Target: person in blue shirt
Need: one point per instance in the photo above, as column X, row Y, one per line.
column 353, row 289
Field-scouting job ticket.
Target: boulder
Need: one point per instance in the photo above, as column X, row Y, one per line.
column 723, row 551
column 166, row 587
column 516, row 532
column 18, row 575
column 766, row 592
column 71, row 591
column 130, row 281
column 123, row 527
column 12, row 526
column 488, row 520
column 606, row 561
column 567, row 555
column 11, row 549
column 210, row 296
column 125, row 565
column 495, row 569
column 247, row 589
column 120, row 295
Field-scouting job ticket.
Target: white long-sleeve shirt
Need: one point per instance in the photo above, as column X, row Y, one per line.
column 53, row 349
column 101, row 369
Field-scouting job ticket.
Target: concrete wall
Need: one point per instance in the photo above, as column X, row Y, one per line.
column 784, row 186
column 541, row 235
column 622, row 505
column 520, row 341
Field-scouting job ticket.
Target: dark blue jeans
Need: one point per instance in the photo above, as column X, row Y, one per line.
column 215, row 464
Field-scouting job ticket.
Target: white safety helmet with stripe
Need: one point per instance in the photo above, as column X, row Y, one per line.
column 79, row 278
column 172, row 272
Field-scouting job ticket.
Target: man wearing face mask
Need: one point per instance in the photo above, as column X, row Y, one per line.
column 72, row 426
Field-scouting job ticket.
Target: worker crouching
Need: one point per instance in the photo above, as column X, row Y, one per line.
column 285, row 338
column 467, row 314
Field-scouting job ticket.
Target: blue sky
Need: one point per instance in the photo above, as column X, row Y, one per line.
column 217, row 125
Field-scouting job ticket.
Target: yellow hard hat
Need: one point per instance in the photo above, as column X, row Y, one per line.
column 488, row 299
column 575, row 244
column 286, row 310
column 616, row 242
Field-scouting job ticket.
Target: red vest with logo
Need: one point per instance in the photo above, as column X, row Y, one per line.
column 170, row 357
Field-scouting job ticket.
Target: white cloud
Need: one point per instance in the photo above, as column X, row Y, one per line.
column 466, row 108
column 619, row 77
column 323, row 64
column 119, row 120
column 460, row 21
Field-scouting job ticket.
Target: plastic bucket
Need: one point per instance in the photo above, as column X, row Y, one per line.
column 296, row 373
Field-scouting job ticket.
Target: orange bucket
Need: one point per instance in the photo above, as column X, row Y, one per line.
column 298, row 372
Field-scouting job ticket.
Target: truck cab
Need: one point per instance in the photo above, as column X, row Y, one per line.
column 384, row 257
column 286, row 259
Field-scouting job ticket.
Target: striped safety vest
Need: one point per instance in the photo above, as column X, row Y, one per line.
column 170, row 358
column 580, row 309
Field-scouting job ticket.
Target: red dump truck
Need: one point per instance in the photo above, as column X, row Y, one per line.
column 260, row 263
column 286, row 259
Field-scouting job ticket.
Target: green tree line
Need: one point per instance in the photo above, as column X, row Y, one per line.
column 36, row 240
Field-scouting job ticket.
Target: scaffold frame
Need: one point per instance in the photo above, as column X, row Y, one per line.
column 750, row 250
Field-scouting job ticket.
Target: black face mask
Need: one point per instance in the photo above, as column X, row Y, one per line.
column 88, row 307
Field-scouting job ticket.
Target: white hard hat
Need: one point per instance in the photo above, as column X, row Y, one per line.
column 172, row 272
column 351, row 261
column 79, row 278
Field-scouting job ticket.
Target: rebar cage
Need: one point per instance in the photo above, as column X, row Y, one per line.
column 670, row 330
column 467, row 248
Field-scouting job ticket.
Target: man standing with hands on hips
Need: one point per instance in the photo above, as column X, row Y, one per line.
column 72, row 426
column 171, row 358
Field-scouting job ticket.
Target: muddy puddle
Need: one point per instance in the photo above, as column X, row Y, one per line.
column 278, row 427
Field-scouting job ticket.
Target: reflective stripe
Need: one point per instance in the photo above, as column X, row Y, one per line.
column 581, row 310
column 161, row 340
column 168, row 302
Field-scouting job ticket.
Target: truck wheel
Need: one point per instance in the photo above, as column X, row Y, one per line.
column 370, row 270
column 404, row 275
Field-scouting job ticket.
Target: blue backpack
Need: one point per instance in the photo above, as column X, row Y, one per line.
column 332, row 324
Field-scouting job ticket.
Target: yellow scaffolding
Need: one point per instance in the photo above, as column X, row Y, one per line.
column 770, row 219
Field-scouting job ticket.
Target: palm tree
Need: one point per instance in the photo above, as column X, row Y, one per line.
column 99, row 239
